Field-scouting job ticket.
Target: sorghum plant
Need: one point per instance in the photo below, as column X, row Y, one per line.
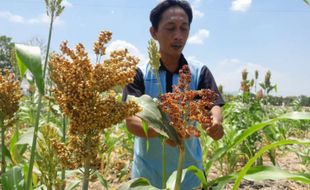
column 47, row 161
column 83, row 92
column 10, row 94
column 183, row 107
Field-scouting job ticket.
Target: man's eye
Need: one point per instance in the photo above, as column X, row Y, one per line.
column 170, row 29
column 184, row 29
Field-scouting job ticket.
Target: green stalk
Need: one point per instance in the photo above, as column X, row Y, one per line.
column 48, row 44
column 63, row 171
column 2, row 145
column 164, row 163
column 180, row 166
column 49, row 101
column 158, row 83
column 34, row 143
column 36, row 127
column 86, row 167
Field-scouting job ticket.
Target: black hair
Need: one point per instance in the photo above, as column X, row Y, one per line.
column 157, row 12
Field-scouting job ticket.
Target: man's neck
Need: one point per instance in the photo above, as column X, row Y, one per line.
column 170, row 62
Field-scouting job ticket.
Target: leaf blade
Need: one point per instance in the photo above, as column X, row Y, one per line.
column 30, row 57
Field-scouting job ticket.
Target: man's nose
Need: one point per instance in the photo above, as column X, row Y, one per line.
column 178, row 35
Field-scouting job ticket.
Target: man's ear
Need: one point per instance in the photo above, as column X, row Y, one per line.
column 153, row 32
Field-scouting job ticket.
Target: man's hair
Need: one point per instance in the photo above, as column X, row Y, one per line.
column 157, row 12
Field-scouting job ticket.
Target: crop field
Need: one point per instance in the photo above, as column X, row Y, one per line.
column 62, row 121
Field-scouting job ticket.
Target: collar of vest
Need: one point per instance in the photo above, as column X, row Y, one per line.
column 182, row 61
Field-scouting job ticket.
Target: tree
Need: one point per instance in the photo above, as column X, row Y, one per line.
column 6, row 47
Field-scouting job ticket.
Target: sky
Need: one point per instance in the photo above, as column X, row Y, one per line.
column 226, row 35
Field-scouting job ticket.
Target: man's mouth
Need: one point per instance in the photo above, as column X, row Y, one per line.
column 176, row 46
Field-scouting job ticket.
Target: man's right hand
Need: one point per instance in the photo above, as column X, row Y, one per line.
column 134, row 125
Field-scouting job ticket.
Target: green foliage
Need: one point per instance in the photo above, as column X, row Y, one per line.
column 246, row 133
column 155, row 117
column 103, row 182
column 239, row 115
column 29, row 57
column 266, row 85
column 260, row 173
column 6, row 47
column 13, row 179
column 54, row 7
column 244, row 170
column 46, row 157
column 137, row 184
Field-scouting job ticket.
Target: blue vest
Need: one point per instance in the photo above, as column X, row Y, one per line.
column 148, row 163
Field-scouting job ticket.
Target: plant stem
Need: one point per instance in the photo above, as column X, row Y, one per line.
column 34, row 143
column 158, row 83
column 36, row 127
column 49, row 101
column 48, row 44
column 86, row 166
column 63, row 171
column 2, row 145
column 163, row 157
column 180, row 166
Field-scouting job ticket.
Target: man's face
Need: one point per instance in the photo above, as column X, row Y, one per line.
column 172, row 31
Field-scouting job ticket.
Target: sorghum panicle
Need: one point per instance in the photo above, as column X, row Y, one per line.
column 83, row 92
column 154, row 55
column 185, row 106
column 10, row 94
column 104, row 38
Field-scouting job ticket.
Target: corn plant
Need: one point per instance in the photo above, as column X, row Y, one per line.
column 274, row 173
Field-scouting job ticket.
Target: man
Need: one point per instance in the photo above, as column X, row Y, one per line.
column 171, row 21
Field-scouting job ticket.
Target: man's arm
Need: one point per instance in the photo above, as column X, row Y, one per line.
column 216, row 131
column 134, row 125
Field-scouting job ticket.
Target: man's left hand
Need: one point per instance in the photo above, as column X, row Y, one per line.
column 216, row 131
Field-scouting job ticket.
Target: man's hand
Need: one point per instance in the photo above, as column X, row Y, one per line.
column 216, row 131
column 134, row 125
column 171, row 143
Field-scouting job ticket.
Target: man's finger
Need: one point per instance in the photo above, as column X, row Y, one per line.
column 171, row 143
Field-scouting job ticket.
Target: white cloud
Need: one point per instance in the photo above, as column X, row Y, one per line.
column 241, row 5
column 11, row 17
column 199, row 37
column 44, row 19
column 120, row 44
column 41, row 19
column 228, row 73
column 66, row 3
column 193, row 59
column 197, row 13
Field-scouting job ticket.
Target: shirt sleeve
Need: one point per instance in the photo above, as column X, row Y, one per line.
column 206, row 81
column 136, row 88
